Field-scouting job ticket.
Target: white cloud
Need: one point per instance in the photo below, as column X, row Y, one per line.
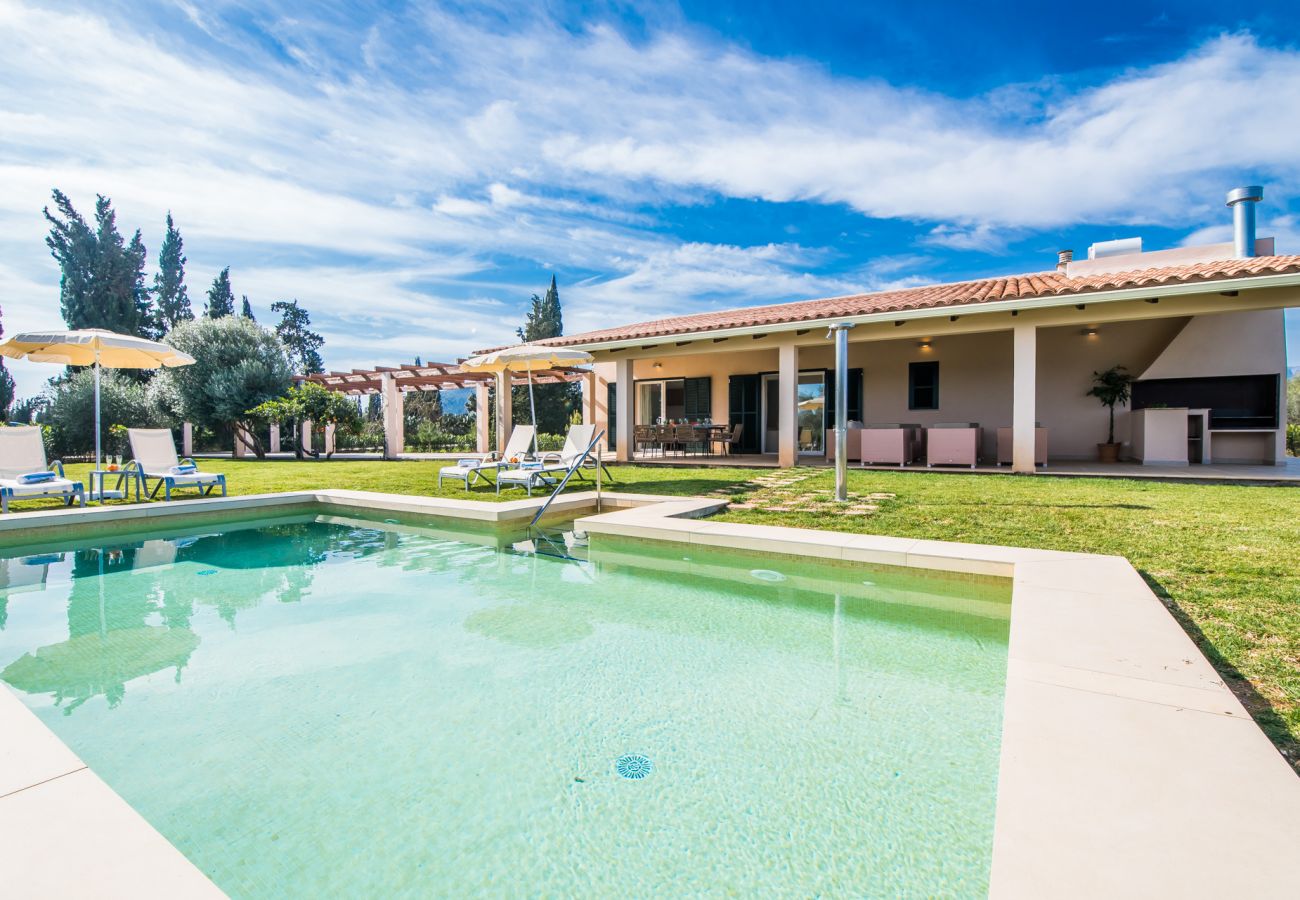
column 982, row 237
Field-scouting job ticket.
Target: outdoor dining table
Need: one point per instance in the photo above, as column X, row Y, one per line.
column 710, row 434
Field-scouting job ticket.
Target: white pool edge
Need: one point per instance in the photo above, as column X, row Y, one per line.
column 1128, row 769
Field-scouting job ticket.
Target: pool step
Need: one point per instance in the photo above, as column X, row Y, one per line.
column 568, row 545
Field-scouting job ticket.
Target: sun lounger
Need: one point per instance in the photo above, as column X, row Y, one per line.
column 521, row 438
column 24, row 472
column 553, row 466
column 154, row 453
column 576, row 441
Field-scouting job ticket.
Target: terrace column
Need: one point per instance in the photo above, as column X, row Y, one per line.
column 1024, row 390
column 788, row 410
column 505, row 413
column 623, row 415
column 329, row 438
column 304, row 435
column 482, row 418
column 275, row 437
column 589, row 399
column 187, row 439
column 242, row 446
column 394, row 416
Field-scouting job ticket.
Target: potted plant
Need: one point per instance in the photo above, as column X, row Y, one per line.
column 1112, row 387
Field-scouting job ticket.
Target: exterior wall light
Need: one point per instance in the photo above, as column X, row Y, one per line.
column 924, row 346
column 1090, row 332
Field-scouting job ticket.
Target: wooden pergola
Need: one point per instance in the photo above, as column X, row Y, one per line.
column 393, row 382
column 432, row 377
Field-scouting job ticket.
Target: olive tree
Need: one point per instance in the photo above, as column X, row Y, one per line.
column 238, row 365
column 310, row 402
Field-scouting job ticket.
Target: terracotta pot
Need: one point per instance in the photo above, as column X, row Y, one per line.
column 1108, row 453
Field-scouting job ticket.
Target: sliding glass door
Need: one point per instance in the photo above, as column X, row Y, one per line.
column 649, row 402
column 658, row 402
column 810, row 415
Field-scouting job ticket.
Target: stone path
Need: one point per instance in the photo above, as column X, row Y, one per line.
column 779, row 491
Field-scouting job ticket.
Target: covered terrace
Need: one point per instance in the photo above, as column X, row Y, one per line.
column 1007, row 361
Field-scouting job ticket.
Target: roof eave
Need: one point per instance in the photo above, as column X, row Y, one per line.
column 1050, row 301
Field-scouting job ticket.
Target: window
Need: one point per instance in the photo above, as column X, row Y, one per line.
column 923, row 385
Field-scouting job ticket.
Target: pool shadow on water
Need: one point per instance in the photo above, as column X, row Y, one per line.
column 1260, row 708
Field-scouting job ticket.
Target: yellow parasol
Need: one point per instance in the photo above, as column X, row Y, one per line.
column 525, row 358
column 93, row 347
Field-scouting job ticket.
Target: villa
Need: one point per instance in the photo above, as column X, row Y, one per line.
column 1008, row 360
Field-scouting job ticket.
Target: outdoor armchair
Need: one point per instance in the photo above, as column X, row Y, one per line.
column 952, row 444
column 887, row 444
column 24, row 472
column 153, row 452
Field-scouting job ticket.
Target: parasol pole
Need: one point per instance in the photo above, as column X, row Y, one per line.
column 97, row 407
column 532, row 407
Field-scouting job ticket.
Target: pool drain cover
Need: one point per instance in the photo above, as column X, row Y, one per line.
column 633, row 766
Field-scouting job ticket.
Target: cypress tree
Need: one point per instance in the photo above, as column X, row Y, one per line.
column 101, row 282
column 545, row 319
column 221, row 299
column 247, row 312
column 555, row 402
column 6, row 385
column 171, row 297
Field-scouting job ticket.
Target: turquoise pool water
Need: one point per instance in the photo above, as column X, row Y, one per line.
column 340, row 707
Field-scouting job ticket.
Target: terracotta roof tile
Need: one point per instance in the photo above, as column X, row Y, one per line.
column 1013, row 287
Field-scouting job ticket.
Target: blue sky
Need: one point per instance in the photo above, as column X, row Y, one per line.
column 413, row 172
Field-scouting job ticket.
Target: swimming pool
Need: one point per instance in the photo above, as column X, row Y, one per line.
column 329, row 705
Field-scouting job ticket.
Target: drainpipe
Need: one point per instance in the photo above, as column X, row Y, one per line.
column 841, row 334
column 1243, row 200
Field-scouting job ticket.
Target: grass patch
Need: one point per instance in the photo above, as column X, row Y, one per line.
column 1223, row 557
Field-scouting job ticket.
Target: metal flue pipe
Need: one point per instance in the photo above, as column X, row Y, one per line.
column 1243, row 200
column 841, row 334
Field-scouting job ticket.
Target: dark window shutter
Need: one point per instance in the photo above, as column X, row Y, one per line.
column 611, row 408
column 744, row 402
column 698, row 398
column 855, row 396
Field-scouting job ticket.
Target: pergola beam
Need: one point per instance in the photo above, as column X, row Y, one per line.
column 431, row 377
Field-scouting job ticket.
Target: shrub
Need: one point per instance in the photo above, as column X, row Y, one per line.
column 71, row 412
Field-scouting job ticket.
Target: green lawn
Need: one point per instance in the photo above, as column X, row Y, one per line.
column 1224, row 557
